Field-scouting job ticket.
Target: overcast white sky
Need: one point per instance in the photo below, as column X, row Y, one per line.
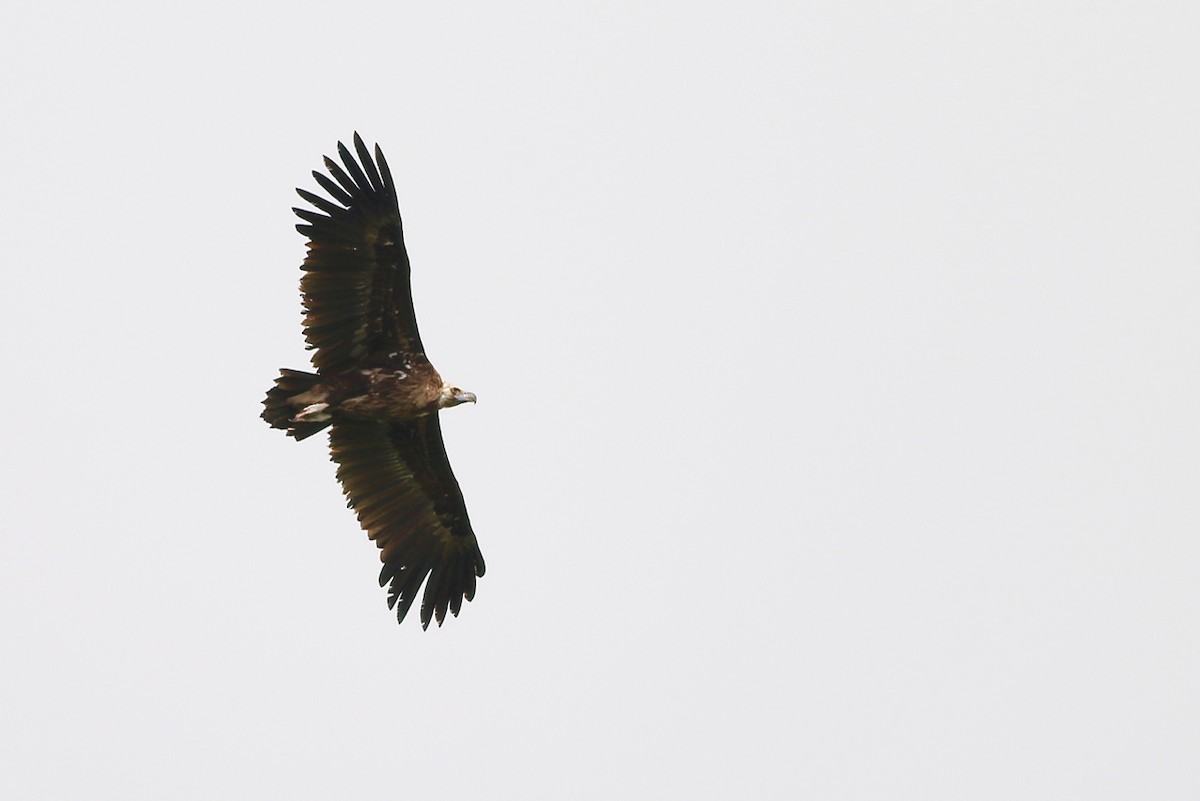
column 837, row 433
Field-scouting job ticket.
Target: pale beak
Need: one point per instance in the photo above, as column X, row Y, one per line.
column 465, row 397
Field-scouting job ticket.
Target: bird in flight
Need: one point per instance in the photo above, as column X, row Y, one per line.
column 375, row 390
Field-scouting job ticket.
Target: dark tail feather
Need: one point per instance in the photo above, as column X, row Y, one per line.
column 278, row 412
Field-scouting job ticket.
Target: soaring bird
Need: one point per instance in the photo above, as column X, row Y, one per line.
column 375, row 390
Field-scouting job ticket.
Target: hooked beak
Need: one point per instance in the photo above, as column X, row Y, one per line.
column 465, row 397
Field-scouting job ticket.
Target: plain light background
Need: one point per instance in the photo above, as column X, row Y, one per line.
column 838, row 426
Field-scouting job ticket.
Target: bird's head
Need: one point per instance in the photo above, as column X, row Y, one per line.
column 453, row 396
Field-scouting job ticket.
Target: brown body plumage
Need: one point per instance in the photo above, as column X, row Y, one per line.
column 376, row 390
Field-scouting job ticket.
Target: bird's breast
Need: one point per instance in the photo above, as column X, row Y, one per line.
column 390, row 393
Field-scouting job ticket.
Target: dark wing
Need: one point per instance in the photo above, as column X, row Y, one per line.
column 357, row 296
column 398, row 479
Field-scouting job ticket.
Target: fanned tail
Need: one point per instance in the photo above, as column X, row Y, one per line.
column 279, row 410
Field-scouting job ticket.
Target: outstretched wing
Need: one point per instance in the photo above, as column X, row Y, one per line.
column 398, row 479
column 357, row 295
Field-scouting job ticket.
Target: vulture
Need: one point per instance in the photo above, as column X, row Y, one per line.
column 375, row 390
